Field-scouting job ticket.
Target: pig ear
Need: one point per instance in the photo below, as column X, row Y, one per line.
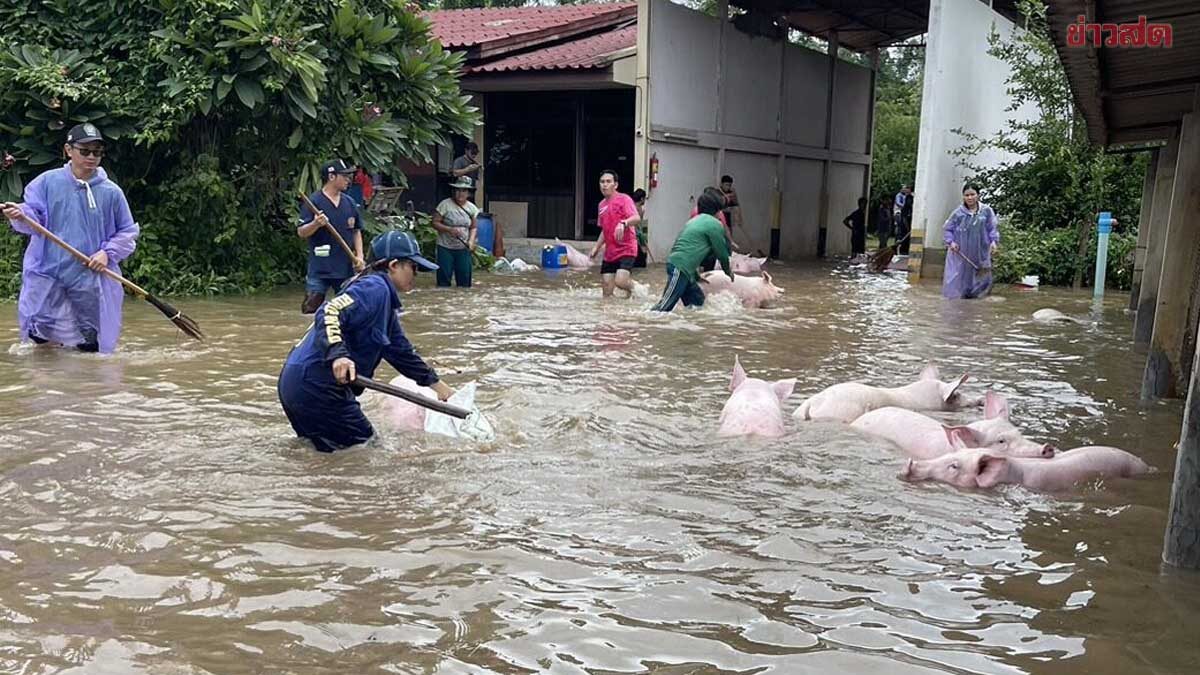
column 961, row 437
column 930, row 373
column 739, row 375
column 784, row 388
column 948, row 389
column 761, row 261
column 766, row 276
column 991, row 469
column 956, row 438
column 994, row 405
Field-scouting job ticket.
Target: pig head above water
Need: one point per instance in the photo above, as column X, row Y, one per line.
column 753, row 291
column 848, row 401
column 755, row 407
column 923, row 437
column 979, row 468
column 744, row 264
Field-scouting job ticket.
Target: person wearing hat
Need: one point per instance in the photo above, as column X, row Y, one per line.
column 62, row 301
column 350, row 334
column 328, row 265
column 454, row 220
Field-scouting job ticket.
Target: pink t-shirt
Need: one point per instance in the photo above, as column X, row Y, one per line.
column 612, row 211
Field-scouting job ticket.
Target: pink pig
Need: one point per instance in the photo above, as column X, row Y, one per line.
column 744, row 264
column 925, row 438
column 756, row 291
column 755, row 407
column 576, row 258
column 848, row 401
column 979, row 468
column 402, row 415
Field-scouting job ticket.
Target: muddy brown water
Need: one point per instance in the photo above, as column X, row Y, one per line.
column 159, row 516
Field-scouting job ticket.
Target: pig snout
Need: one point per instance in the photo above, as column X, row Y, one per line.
column 1048, row 451
column 907, row 473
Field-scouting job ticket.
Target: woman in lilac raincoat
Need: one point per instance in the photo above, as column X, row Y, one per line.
column 971, row 237
column 62, row 300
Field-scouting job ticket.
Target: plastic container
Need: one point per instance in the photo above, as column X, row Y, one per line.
column 554, row 257
column 485, row 231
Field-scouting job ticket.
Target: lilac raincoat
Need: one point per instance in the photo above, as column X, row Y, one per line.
column 61, row 300
column 974, row 233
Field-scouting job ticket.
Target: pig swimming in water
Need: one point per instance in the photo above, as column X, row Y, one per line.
column 923, row 437
column 577, row 258
column 848, row 401
column 744, row 264
column 403, row 415
column 979, row 468
column 755, row 407
column 756, row 291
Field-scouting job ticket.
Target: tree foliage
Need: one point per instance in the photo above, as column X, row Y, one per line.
column 1048, row 197
column 218, row 111
column 897, row 119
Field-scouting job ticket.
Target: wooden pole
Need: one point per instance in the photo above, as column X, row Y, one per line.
column 358, row 264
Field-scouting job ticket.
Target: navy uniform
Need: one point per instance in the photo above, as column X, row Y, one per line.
column 328, row 264
column 362, row 324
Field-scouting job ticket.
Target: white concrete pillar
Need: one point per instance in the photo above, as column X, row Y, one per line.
column 1166, row 371
column 1156, row 240
column 1139, row 254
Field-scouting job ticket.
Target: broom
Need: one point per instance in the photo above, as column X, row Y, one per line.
column 183, row 321
column 879, row 260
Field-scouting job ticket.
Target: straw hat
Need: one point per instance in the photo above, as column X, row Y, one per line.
column 463, row 182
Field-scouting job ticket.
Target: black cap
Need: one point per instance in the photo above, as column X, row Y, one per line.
column 337, row 166
column 84, row 133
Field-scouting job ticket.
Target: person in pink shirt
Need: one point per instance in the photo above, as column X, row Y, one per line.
column 618, row 220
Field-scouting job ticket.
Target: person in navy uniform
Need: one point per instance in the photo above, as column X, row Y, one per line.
column 350, row 334
column 328, row 265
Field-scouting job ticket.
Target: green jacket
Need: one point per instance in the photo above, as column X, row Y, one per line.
column 702, row 236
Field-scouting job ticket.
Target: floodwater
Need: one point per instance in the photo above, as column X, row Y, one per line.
column 159, row 516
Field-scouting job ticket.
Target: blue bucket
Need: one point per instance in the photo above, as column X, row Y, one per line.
column 486, row 231
column 554, row 257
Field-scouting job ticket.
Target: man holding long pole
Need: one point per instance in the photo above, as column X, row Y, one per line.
column 61, row 300
column 336, row 221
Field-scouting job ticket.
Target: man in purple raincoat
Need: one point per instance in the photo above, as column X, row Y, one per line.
column 971, row 236
column 61, row 300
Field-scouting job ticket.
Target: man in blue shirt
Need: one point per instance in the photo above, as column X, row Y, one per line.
column 350, row 335
column 328, row 265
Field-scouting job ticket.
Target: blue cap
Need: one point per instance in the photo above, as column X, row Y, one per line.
column 397, row 245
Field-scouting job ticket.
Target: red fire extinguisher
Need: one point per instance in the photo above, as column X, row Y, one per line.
column 653, row 171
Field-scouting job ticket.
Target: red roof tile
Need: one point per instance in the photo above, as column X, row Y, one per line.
column 589, row 52
column 459, row 28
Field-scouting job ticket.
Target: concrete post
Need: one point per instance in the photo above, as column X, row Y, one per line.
column 1166, row 371
column 1139, row 254
column 1156, row 240
column 823, row 216
column 1181, row 542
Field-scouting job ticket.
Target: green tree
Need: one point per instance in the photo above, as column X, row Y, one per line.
column 1050, row 195
column 897, row 119
column 219, row 111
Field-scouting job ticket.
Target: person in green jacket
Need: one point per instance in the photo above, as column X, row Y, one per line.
column 702, row 236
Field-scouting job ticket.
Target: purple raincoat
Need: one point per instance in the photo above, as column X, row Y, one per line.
column 61, row 300
column 974, row 233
